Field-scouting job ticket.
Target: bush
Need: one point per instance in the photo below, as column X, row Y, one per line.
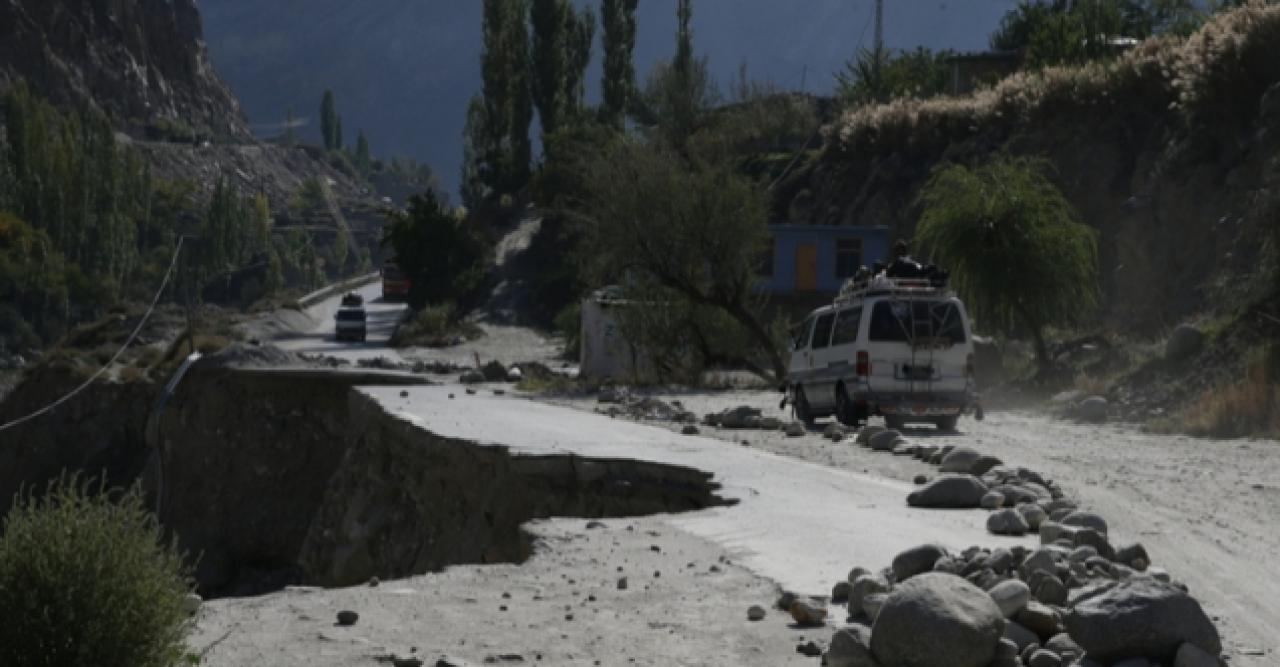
column 86, row 579
column 1248, row 407
column 434, row 326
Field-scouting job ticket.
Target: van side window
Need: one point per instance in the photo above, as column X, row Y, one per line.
column 800, row 340
column 847, row 325
column 822, row 331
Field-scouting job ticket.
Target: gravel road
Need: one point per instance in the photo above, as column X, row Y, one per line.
column 1205, row 509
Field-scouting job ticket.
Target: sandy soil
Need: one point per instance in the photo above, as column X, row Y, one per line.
column 1205, row 509
column 685, row 604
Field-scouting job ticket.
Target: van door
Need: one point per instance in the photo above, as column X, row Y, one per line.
column 818, row 389
column 918, row 345
column 801, row 356
column 837, row 361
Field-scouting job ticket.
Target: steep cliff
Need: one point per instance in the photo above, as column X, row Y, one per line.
column 143, row 62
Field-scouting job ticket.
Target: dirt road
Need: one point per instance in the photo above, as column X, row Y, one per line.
column 1207, row 510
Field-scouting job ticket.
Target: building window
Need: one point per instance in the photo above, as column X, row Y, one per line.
column 766, row 258
column 848, row 257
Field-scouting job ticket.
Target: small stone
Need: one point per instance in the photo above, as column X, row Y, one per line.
column 796, row 430
column 884, row 441
column 993, row 500
column 921, row 480
column 347, row 618
column 1052, row 591
column 1010, row 596
column 1040, row 619
column 1033, row 514
column 622, row 583
column 374, row 581
column 755, row 613
column 689, row 429
column 916, row 560
column 1007, row 522
column 851, row 647
column 840, row 592
column 872, row 604
column 809, row 648
column 805, row 613
column 191, row 604
column 1044, row 658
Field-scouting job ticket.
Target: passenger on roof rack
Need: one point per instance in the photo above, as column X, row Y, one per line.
column 904, row 266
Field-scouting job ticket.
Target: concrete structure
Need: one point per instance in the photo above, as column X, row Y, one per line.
column 972, row 70
column 818, row 258
column 605, row 354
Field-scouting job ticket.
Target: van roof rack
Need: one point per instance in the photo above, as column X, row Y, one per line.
column 881, row 286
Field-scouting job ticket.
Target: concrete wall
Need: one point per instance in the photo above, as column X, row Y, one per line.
column 787, row 239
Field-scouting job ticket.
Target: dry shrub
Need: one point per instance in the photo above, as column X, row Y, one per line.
column 1226, row 66
column 1090, row 385
column 1251, row 406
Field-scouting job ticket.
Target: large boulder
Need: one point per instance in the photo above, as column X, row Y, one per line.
column 937, row 620
column 949, row 491
column 961, row 459
column 1141, row 618
column 916, row 560
column 1184, row 343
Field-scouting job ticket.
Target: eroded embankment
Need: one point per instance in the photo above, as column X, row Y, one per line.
column 278, row 478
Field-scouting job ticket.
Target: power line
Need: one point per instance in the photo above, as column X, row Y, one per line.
column 138, row 329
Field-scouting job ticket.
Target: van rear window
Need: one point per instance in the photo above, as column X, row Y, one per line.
column 916, row 322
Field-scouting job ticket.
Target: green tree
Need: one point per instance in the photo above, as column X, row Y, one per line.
column 507, row 94
column 877, row 76
column 328, row 121
column 1017, row 253
column 619, row 80
column 364, row 161
column 679, row 93
column 441, row 253
column 1055, row 32
column 552, row 21
column 582, row 33
column 475, row 135
column 338, row 142
column 648, row 217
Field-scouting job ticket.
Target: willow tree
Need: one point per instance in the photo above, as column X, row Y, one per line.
column 1017, row 251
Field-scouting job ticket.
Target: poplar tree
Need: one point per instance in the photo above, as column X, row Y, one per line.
column 508, row 102
column 619, row 80
column 582, row 33
column 328, row 121
column 553, row 22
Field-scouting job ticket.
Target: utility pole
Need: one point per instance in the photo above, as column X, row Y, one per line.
column 879, row 43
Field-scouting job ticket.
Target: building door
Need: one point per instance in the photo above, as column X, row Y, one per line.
column 807, row 268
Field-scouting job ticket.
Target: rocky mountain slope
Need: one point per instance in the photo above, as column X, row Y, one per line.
column 143, row 62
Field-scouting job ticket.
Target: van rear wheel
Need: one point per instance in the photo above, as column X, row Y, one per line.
column 801, row 405
column 846, row 412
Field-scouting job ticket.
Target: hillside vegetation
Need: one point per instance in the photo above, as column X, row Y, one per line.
column 1169, row 151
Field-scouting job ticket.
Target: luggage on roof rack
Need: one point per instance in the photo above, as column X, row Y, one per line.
column 881, row 285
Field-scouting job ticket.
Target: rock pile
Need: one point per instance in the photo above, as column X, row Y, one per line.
column 1018, row 607
column 1077, row 599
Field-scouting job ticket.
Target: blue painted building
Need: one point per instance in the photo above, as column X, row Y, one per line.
column 819, row 258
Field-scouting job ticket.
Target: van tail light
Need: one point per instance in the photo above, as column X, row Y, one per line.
column 968, row 366
column 863, row 366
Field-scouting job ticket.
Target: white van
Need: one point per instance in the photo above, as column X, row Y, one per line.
column 901, row 348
